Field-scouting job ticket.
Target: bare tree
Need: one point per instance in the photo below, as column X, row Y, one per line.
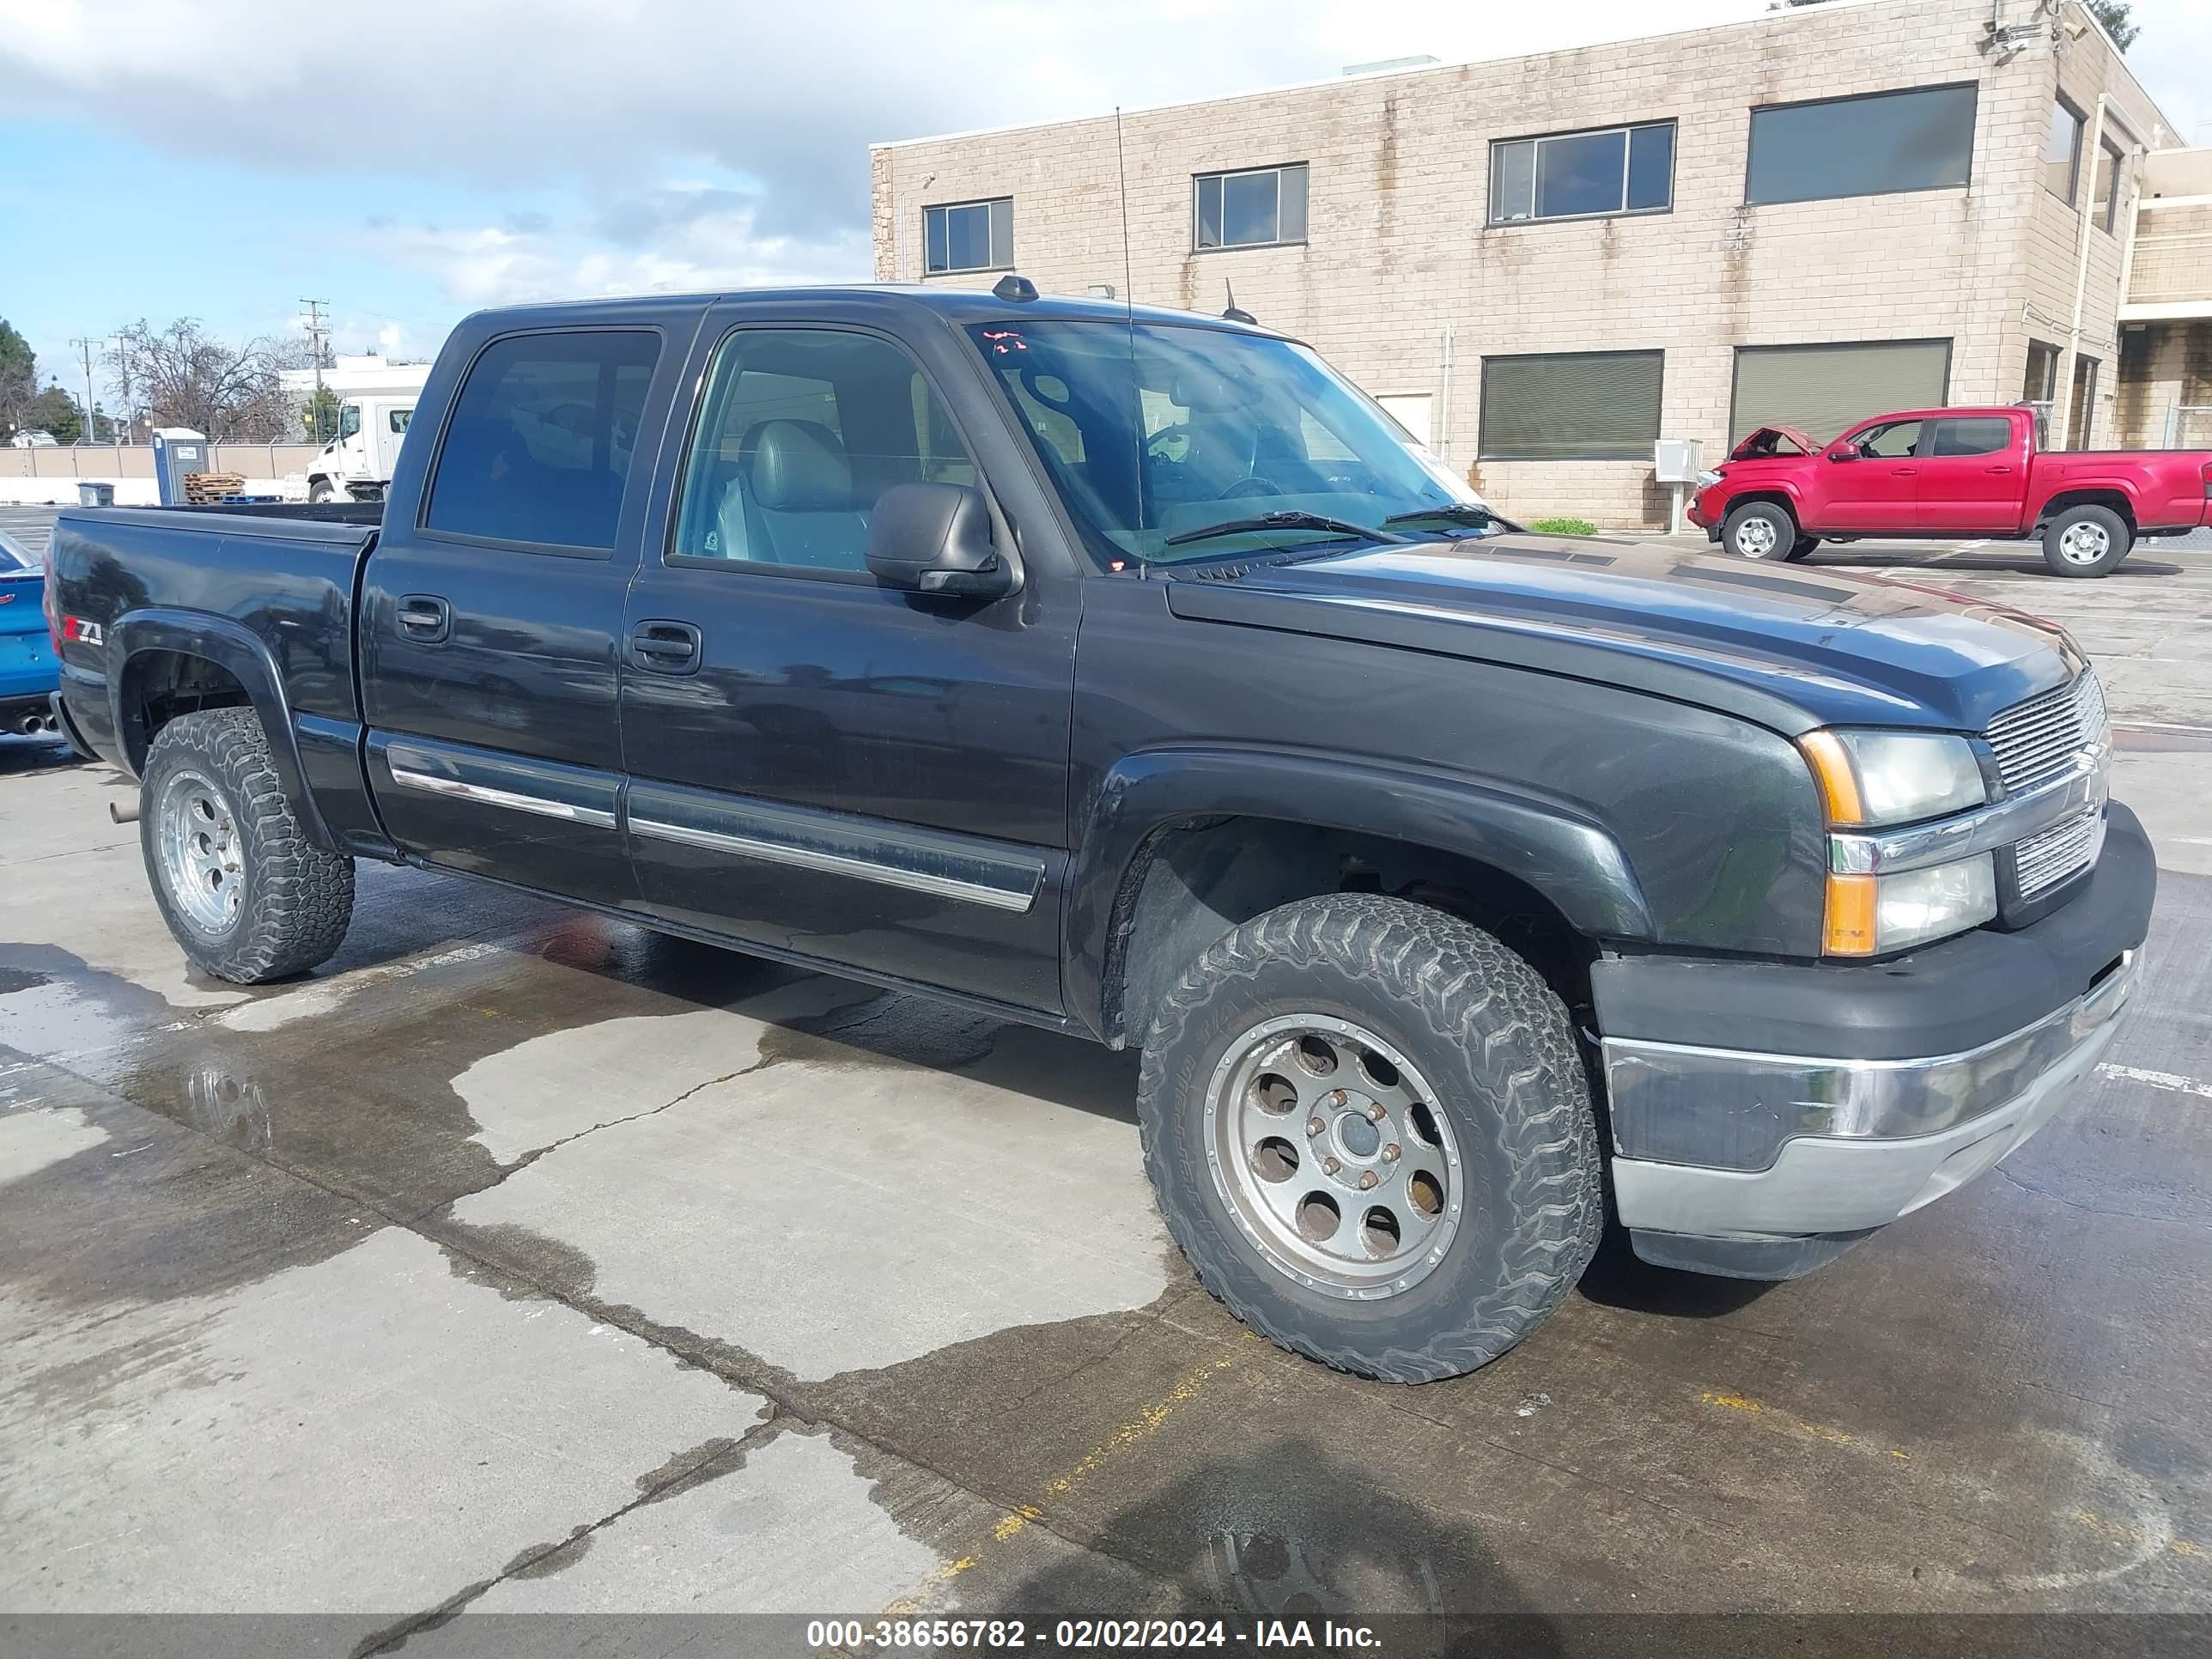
column 183, row 376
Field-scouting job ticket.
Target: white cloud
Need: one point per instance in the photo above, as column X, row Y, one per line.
column 756, row 114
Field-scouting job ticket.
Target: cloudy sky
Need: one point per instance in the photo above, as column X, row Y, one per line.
column 228, row 158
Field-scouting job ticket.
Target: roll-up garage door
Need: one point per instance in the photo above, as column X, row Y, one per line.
column 1823, row 389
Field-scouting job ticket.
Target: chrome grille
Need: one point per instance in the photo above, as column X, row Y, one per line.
column 2041, row 739
column 2050, row 856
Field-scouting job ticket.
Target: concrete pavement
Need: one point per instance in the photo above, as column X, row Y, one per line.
column 522, row 1262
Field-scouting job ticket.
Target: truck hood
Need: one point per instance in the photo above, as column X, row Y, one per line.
column 1759, row 443
column 1790, row 648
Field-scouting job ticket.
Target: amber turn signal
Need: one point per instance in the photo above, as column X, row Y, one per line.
column 1849, row 929
column 1839, row 784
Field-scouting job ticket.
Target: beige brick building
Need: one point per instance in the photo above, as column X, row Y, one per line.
column 1542, row 264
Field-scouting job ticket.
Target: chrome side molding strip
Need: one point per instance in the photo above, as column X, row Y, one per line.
column 430, row 783
column 847, row 864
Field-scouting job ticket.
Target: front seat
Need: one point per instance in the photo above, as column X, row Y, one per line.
column 802, row 491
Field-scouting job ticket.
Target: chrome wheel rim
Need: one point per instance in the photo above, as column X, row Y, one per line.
column 1756, row 538
column 1328, row 1148
column 202, row 861
column 2084, row 544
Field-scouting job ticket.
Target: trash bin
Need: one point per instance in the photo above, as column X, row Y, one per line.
column 95, row 494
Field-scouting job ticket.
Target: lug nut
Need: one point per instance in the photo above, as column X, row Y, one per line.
column 1331, row 1165
column 1338, row 1098
column 1367, row 1179
column 1376, row 1112
column 1315, row 1125
column 1392, row 1152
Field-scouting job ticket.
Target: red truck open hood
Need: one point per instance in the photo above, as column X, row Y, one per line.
column 1751, row 442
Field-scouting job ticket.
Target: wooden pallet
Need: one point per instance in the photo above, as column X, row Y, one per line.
column 204, row 487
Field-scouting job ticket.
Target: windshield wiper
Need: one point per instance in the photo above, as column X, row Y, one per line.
column 1464, row 512
column 1288, row 519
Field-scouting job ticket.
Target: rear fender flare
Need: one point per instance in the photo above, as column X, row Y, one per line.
column 236, row 649
column 1573, row 862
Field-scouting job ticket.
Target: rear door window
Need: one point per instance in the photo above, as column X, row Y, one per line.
column 537, row 450
column 1983, row 434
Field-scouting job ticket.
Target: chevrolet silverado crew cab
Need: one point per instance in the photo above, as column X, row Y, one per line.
column 1130, row 673
column 1950, row 472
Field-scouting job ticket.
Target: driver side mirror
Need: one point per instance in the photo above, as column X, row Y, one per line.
column 936, row 539
column 1842, row 454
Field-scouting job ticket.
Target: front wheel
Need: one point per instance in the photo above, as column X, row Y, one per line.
column 246, row 894
column 2086, row 541
column 1759, row 530
column 1369, row 1129
column 319, row 492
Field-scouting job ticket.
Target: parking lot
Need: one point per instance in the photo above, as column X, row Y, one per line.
column 522, row 1262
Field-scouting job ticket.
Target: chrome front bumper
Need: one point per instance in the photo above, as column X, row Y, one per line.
column 1734, row 1144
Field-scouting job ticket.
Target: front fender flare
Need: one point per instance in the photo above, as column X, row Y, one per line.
column 1574, row 863
column 233, row 647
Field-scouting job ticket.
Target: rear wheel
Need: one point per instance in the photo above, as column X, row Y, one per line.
column 2086, row 541
column 1370, row 1132
column 244, row 891
column 1759, row 530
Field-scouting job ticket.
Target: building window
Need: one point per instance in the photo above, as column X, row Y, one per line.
column 2062, row 152
column 2110, row 158
column 2038, row 388
column 1825, row 390
column 970, row 235
column 1875, row 145
column 1581, row 175
column 1261, row 208
column 1571, row 406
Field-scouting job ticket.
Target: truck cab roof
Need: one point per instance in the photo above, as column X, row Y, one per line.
column 956, row 306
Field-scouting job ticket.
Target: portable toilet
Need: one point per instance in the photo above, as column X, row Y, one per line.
column 178, row 449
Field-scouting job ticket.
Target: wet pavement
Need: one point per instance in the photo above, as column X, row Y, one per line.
column 522, row 1262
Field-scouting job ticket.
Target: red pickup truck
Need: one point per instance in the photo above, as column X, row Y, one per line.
column 1950, row 472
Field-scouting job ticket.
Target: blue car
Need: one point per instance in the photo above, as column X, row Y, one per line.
column 29, row 675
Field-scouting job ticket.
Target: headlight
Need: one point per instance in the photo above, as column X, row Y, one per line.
column 1870, row 779
column 1708, row 478
column 1873, row 915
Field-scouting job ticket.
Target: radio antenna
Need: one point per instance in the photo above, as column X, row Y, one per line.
column 1121, row 168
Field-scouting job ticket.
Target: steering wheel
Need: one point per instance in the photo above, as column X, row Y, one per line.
column 1250, row 485
column 1158, row 444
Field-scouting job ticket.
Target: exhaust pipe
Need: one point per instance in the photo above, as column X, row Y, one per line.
column 117, row 812
column 32, row 724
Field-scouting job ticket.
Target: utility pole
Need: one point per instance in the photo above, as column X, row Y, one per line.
column 317, row 330
column 123, row 374
column 86, row 346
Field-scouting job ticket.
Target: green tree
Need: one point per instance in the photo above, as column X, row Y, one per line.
column 319, row 415
column 54, row 410
column 19, row 380
column 2116, row 17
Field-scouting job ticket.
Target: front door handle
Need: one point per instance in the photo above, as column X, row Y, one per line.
column 666, row 647
column 425, row 617
column 1903, row 471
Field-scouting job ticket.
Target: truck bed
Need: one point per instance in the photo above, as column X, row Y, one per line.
column 280, row 576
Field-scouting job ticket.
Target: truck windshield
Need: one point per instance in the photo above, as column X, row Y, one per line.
column 1156, row 431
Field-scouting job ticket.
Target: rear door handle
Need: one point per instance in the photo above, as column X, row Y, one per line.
column 666, row 647
column 1996, row 469
column 425, row 617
